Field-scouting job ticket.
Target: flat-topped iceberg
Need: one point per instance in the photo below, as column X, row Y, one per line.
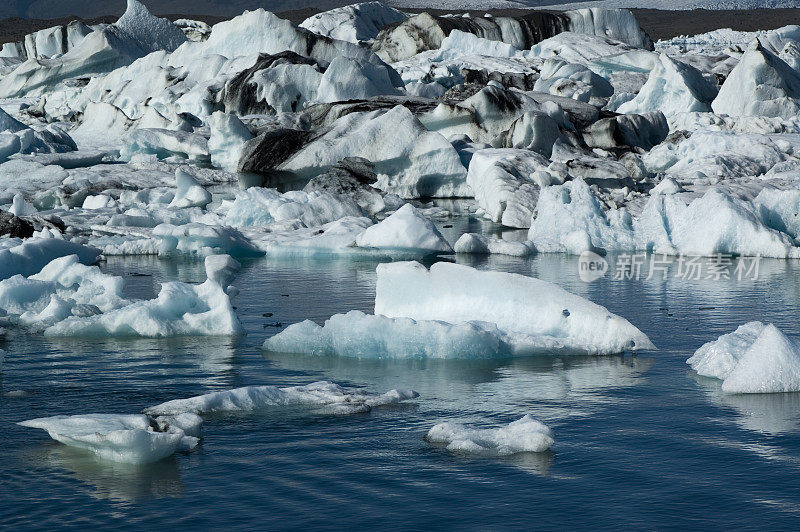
column 525, row 435
column 755, row 358
column 454, row 311
column 131, row 438
column 329, row 396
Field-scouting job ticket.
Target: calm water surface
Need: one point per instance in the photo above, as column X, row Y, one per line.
column 641, row 441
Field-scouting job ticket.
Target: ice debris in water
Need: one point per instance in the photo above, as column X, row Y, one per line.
column 755, row 358
column 134, row 438
column 68, row 298
column 330, row 397
column 180, row 309
column 525, row 435
column 454, row 311
column 175, row 425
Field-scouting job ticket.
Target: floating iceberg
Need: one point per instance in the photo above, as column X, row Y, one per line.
column 755, row 358
column 573, row 218
column 455, row 311
column 484, row 245
column 330, row 397
column 135, row 439
column 516, row 304
column 525, row 435
column 360, row 335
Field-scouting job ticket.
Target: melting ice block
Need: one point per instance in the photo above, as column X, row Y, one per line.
column 455, row 311
column 180, row 309
column 755, row 358
column 332, row 397
column 525, row 435
column 135, row 439
column 520, row 306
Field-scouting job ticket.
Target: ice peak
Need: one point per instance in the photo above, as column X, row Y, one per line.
column 149, row 32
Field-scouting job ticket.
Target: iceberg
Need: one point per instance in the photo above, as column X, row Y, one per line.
column 324, row 395
column 573, row 218
column 525, row 435
column 406, row 230
column 354, row 23
column 360, row 335
column 134, row 439
column 760, row 84
column 189, row 192
column 506, row 183
column 455, row 311
column 755, row 358
column 473, row 243
column 515, row 303
column 409, row 160
column 672, row 87
column 29, row 257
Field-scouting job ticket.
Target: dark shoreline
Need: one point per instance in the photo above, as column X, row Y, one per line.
column 659, row 24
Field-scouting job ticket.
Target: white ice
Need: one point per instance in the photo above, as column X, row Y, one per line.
column 525, row 435
column 134, row 439
column 755, row 358
column 324, row 395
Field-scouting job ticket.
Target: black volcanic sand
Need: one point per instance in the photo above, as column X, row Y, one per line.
column 659, row 24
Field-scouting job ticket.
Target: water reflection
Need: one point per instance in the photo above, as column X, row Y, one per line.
column 767, row 413
column 121, row 483
column 546, row 387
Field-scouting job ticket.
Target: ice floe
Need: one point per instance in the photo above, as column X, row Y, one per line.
column 323, row 396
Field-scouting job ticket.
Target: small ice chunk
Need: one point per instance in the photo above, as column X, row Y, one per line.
column 755, row 358
column 190, row 193
column 20, row 207
column 101, row 201
column 484, row 245
column 525, row 435
column 405, row 230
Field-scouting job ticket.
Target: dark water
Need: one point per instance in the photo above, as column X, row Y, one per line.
column 641, row 442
